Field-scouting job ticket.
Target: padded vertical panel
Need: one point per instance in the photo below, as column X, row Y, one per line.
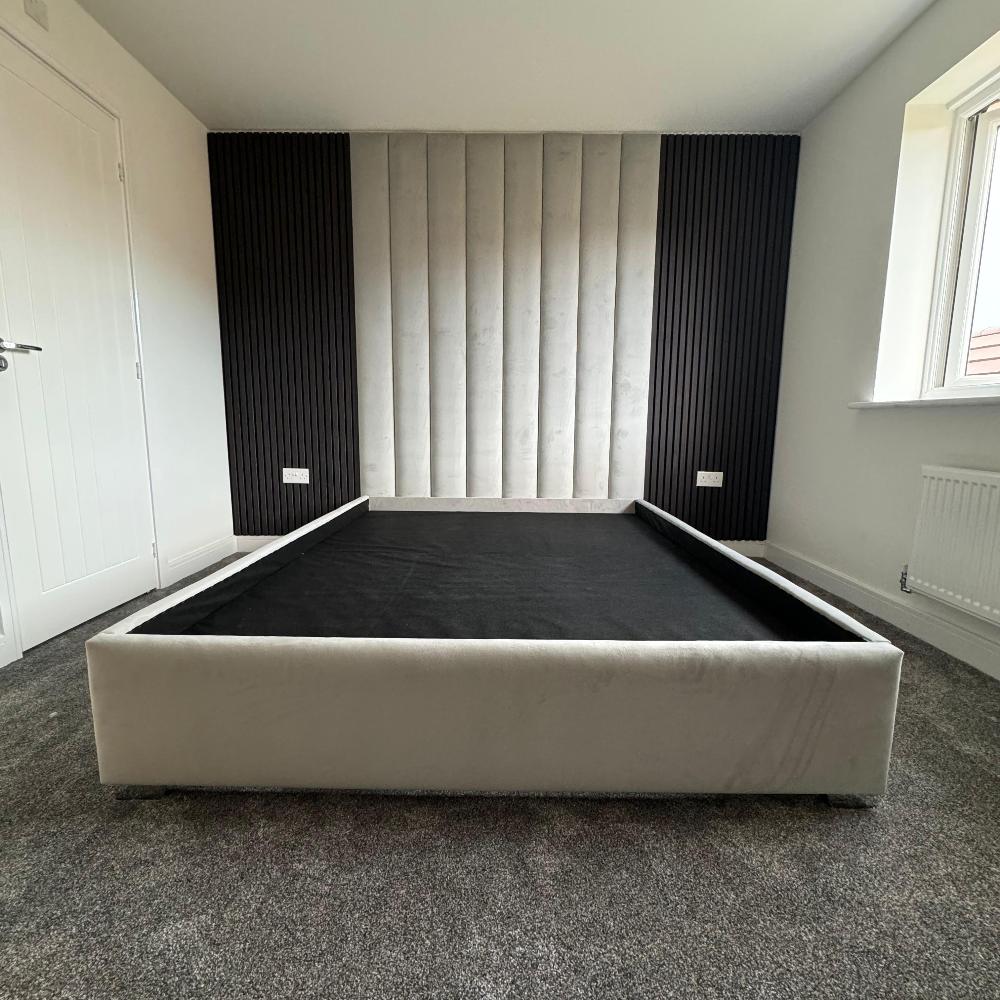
column 373, row 305
column 484, row 313
column 561, row 176
column 446, row 301
column 596, row 316
column 521, row 307
column 410, row 337
column 526, row 403
column 640, row 162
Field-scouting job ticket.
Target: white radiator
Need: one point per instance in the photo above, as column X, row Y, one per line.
column 956, row 548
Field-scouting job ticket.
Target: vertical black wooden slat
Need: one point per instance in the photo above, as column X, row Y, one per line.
column 689, row 344
column 767, row 318
column 748, row 323
column 786, row 196
column 248, row 348
column 715, row 181
column 354, row 450
column 283, row 243
column 350, row 333
column 327, row 225
column 723, row 238
column 674, row 353
column 653, row 448
column 336, row 168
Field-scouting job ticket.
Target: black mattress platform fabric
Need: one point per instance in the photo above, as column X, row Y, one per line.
column 464, row 575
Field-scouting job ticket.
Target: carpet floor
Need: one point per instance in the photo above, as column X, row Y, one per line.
column 250, row 895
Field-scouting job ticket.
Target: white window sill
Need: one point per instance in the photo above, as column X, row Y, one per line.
column 895, row 404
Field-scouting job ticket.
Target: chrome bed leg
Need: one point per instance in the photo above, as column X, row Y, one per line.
column 852, row 801
column 126, row 792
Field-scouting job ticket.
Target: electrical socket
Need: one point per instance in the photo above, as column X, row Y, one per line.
column 709, row 479
column 295, row 475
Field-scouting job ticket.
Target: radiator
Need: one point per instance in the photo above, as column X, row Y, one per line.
column 956, row 547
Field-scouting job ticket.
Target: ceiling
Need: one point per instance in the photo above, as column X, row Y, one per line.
column 506, row 65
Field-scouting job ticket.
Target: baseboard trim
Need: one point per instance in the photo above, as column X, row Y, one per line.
column 977, row 650
column 250, row 543
column 178, row 567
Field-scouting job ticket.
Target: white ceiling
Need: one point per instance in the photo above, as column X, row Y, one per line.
column 506, row 65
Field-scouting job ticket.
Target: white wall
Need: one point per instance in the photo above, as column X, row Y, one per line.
column 173, row 256
column 846, row 482
column 504, row 288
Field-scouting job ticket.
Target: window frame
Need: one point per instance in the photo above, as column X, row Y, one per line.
column 974, row 146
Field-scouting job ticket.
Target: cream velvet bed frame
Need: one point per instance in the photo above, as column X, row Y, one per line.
column 493, row 715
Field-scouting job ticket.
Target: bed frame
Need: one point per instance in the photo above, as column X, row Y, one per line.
column 496, row 715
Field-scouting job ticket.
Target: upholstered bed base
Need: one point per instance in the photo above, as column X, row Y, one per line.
column 498, row 715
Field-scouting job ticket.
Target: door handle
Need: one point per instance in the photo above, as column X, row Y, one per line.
column 9, row 345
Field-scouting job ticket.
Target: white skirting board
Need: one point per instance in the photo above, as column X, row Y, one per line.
column 968, row 644
column 250, row 543
column 176, row 568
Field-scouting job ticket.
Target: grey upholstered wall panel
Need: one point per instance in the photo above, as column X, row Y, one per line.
column 522, row 283
column 637, row 207
column 484, row 313
column 373, row 313
column 446, row 283
column 596, row 321
column 410, row 316
column 504, row 302
column 561, row 191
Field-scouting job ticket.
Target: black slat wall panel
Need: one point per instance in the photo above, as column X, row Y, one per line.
column 723, row 238
column 281, row 204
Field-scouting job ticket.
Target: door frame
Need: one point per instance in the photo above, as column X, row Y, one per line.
column 10, row 633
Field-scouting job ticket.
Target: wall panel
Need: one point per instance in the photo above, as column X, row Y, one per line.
column 540, row 385
column 562, row 174
column 283, row 240
column 506, row 287
column 484, row 180
column 373, row 307
column 639, row 189
column 596, row 314
column 724, row 233
column 446, row 283
column 521, row 307
column 410, row 317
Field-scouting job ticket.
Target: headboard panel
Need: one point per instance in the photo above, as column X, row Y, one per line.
column 504, row 297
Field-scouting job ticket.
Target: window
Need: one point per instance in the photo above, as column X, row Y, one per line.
column 964, row 354
column 939, row 340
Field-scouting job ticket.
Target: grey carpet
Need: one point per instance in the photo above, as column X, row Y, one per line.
column 221, row 895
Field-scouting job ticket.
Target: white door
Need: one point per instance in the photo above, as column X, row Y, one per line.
column 73, row 474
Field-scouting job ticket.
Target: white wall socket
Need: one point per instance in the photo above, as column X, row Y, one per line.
column 295, row 475
column 709, row 479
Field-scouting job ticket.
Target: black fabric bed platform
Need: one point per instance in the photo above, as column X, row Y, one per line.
column 492, row 576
